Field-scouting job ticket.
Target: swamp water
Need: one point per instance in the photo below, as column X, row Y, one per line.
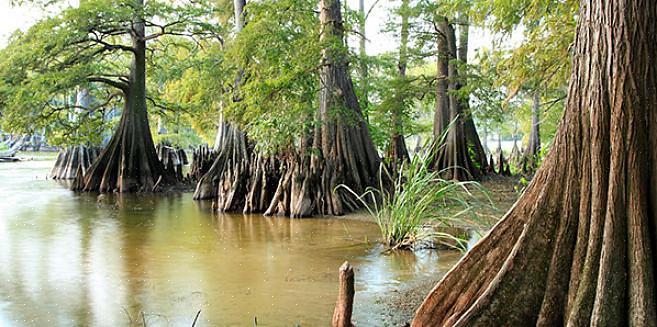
column 82, row 260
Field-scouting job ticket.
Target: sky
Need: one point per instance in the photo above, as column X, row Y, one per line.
column 12, row 18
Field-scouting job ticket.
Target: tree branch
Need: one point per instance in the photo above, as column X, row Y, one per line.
column 119, row 85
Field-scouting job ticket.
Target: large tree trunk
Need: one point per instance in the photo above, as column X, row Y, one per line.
column 397, row 150
column 129, row 163
column 578, row 247
column 303, row 182
column 533, row 148
column 451, row 156
column 227, row 177
column 472, row 137
column 347, row 156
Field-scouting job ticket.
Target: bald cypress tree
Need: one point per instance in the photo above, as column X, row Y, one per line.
column 577, row 248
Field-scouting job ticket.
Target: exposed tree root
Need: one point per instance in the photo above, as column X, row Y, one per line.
column 70, row 159
column 304, row 182
column 202, row 159
column 173, row 160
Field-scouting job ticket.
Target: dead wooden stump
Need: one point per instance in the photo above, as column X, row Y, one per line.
column 345, row 304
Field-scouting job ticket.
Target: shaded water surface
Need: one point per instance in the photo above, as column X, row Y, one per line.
column 83, row 260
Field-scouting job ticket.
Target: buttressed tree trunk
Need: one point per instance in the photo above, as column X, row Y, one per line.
column 577, row 248
column 302, row 182
column 129, row 163
column 472, row 137
column 226, row 179
column 310, row 180
column 534, row 145
column 397, row 150
column 452, row 156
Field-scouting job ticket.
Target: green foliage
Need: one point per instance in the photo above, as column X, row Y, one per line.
column 85, row 47
column 265, row 78
column 403, row 209
column 278, row 53
column 541, row 62
column 408, row 97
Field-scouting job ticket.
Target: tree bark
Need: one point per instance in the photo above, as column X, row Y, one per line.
column 129, row 163
column 303, row 182
column 225, row 180
column 343, row 152
column 451, row 156
column 533, row 148
column 473, row 141
column 397, row 150
column 362, row 64
column 577, row 248
column 70, row 159
column 344, row 305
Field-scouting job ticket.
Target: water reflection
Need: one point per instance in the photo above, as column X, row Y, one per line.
column 70, row 260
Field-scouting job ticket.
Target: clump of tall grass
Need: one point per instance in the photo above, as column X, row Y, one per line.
column 404, row 204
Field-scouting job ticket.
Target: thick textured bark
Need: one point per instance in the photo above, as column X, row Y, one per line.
column 302, row 182
column 345, row 153
column 226, row 179
column 533, row 148
column 129, row 163
column 577, row 248
column 397, row 151
column 451, row 156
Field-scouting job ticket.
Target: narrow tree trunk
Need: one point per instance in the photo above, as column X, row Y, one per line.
column 441, row 117
column 129, row 163
column 533, row 148
column 362, row 64
column 397, row 150
column 473, row 142
column 452, row 157
column 577, row 248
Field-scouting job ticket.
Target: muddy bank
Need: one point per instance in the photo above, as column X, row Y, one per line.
column 400, row 303
column 398, row 306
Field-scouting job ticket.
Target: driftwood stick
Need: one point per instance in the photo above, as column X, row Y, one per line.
column 196, row 318
column 345, row 304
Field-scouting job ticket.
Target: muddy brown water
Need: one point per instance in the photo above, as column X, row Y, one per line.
column 81, row 260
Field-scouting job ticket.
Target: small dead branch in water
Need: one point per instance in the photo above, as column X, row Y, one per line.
column 196, row 318
column 128, row 315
